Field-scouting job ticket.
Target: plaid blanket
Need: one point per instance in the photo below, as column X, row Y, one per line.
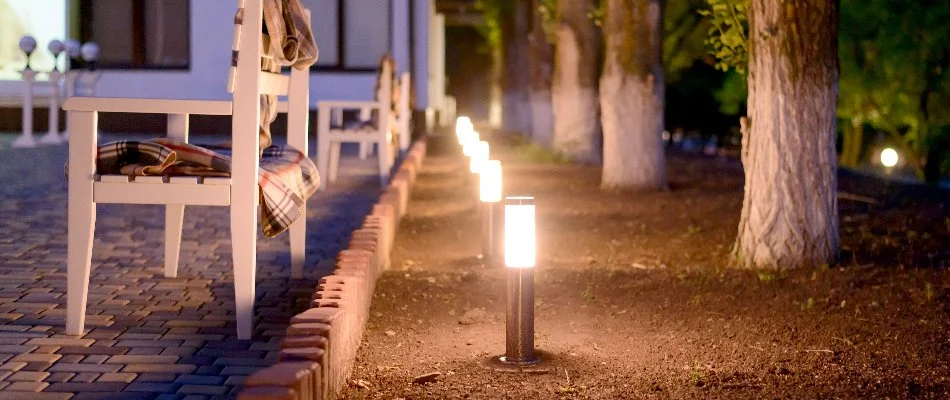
column 286, row 177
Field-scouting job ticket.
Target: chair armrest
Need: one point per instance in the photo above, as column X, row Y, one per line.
column 349, row 104
column 148, row 106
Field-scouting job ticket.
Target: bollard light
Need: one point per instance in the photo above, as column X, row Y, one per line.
column 463, row 124
column 520, row 248
column 889, row 157
column 479, row 156
column 490, row 195
column 468, row 141
column 490, row 182
column 520, row 242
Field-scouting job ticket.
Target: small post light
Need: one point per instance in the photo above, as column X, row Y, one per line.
column 28, row 46
column 479, row 156
column 462, row 125
column 520, row 248
column 90, row 54
column 468, row 140
column 490, row 196
column 889, row 158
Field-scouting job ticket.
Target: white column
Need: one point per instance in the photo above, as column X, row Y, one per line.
column 26, row 138
column 400, row 35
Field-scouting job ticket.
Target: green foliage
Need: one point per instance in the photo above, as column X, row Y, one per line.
column 728, row 35
column 492, row 13
column 684, row 34
column 733, row 94
column 549, row 18
column 894, row 71
column 598, row 13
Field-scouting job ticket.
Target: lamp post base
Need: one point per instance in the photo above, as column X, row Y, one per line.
column 540, row 365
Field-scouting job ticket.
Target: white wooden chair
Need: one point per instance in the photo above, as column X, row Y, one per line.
column 240, row 191
column 404, row 113
column 386, row 133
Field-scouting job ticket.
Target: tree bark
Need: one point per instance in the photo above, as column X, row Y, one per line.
column 632, row 96
column 576, row 120
column 516, row 83
column 540, row 65
column 790, row 212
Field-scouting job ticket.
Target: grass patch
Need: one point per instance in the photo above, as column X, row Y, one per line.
column 529, row 151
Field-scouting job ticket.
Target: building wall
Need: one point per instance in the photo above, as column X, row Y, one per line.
column 211, row 35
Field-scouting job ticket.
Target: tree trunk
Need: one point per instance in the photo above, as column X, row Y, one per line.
column 540, row 65
column 576, row 121
column 516, row 83
column 790, row 210
column 632, row 96
column 496, row 96
column 852, row 143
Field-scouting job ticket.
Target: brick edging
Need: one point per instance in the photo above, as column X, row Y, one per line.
column 318, row 353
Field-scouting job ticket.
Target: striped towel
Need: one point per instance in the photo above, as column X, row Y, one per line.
column 286, row 177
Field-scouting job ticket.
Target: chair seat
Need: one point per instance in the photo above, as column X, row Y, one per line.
column 287, row 178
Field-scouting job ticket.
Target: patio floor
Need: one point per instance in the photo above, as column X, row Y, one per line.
column 148, row 337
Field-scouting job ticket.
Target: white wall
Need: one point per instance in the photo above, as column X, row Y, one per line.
column 211, row 31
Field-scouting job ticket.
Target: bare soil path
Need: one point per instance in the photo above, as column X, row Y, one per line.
column 636, row 299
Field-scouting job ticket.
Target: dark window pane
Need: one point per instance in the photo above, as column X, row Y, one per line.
column 138, row 33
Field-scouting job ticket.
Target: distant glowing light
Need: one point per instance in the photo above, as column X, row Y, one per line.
column 469, row 141
column 479, row 156
column 889, row 157
column 520, row 242
column 463, row 127
column 490, row 182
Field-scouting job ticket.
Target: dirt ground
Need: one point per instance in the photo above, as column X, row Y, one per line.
column 636, row 299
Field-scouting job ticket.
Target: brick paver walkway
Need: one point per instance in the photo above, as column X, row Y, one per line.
column 147, row 337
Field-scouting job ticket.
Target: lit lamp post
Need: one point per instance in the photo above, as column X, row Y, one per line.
column 520, row 248
column 490, row 195
column 26, row 139
column 478, row 155
column 889, row 159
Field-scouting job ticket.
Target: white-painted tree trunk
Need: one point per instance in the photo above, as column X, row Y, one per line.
column 632, row 96
column 576, row 106
column 542, row 118
column 790, row 211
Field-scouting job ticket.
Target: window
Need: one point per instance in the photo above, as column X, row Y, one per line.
column 146, row 34
column 351, row 34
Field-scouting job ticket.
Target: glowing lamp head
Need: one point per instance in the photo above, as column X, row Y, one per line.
column 479, row 156
column 463, row 127
column 469, row 141
column 520, row 242
column 490, row 182
column 889, row 157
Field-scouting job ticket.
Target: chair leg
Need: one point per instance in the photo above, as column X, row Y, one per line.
column 81, row 230
column 334, row 160
column 323, row 142
column 244, row 253
column 298, row 240
column 383, row 159
column 81, row 218
column 174, row 218
column 364, row 150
